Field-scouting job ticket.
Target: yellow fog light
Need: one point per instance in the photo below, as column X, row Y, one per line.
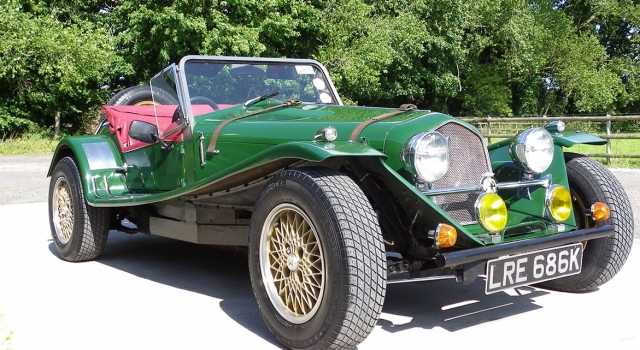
column 445, row 235
column 491, row 212
column 558, row 203
column 600, row 211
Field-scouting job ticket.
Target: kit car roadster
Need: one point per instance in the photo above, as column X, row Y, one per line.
column 334, row 202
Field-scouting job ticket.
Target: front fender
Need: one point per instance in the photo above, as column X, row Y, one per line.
column 570, row 138
column 97, row 159
column 564, row 139
column 259, row 165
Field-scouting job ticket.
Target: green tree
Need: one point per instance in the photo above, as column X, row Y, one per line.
column 48, row 66
column 152, row 33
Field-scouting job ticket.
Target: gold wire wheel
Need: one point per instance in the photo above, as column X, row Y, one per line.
column 62, row 207
column 292, row 263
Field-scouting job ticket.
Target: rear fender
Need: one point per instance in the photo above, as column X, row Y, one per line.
column 100, row 167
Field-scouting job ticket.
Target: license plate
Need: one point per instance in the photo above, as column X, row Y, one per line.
column 534, row 267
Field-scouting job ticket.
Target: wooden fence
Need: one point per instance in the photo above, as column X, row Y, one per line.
column 505, row 127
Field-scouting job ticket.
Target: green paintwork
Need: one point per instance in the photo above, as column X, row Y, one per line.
column 264, row 142
column 564, row 139
column 161, row 174
column 102, row 182
column 505, row 171
column 465, row 235
column 156, row 169
column 293, row 150
column 570, row 138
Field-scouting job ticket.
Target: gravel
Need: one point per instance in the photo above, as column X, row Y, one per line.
column 23, row 179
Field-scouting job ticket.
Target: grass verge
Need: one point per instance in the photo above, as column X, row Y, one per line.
column 28, row 144
column 617, row 147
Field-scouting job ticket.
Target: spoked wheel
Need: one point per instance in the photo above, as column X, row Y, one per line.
column 292, row 263
column 79, row 231
column 603, row 258
column 62, row 207
column 316, row 260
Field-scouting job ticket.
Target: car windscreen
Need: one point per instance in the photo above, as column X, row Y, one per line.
column 222, row 85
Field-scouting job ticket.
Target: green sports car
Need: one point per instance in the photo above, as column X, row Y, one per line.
column 334, row 202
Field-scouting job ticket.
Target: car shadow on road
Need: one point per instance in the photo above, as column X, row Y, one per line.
column 196, row 268
column 450, row 305
column 224, row 275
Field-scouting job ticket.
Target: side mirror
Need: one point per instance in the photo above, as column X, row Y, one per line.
column 178, row 122
column 143, row 131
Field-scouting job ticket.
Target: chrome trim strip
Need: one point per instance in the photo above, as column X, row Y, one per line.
column 544, row 181
column 421, row 279
column 454, row 190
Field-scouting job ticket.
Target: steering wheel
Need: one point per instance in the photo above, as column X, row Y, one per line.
column 198, row 100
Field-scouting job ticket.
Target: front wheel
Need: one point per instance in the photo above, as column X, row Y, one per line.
column 590, row 182
column 79, row 231
column 316, row 261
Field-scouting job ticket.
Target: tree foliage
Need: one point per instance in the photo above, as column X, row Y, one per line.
column 51, row 64
column 481, row 57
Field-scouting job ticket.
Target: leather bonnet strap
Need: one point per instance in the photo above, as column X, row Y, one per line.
column 214, row 137
column 359, row 128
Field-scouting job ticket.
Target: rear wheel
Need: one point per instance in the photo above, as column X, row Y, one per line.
column 316, row 260
column 79, row 231
column 603, row 257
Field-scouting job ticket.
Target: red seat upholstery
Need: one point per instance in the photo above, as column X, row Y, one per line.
column 120, row 118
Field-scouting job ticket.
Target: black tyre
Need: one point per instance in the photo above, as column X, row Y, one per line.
column 79, row 231
column 590, row 182
column 316, row 260
column 140, row 96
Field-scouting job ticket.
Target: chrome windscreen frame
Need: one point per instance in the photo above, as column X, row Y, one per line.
column 173, row 71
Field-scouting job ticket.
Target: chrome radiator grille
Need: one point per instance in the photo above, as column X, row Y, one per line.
column 468, row 161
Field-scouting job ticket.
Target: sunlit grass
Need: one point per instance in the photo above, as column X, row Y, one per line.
column 617, row 147
column 28, row 144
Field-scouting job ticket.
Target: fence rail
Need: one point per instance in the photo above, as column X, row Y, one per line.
column 488, row 124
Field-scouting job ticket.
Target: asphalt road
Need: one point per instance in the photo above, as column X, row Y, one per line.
column 149, row 292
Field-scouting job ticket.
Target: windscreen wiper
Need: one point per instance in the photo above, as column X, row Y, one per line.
column 253, row 101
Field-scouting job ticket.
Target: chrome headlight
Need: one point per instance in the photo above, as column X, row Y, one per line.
column 532, row 149
column 427, row 156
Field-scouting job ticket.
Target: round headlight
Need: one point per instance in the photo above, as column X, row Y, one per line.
column 491, row 212
column 533, row 150
column 427, row 155
column 558, row 202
